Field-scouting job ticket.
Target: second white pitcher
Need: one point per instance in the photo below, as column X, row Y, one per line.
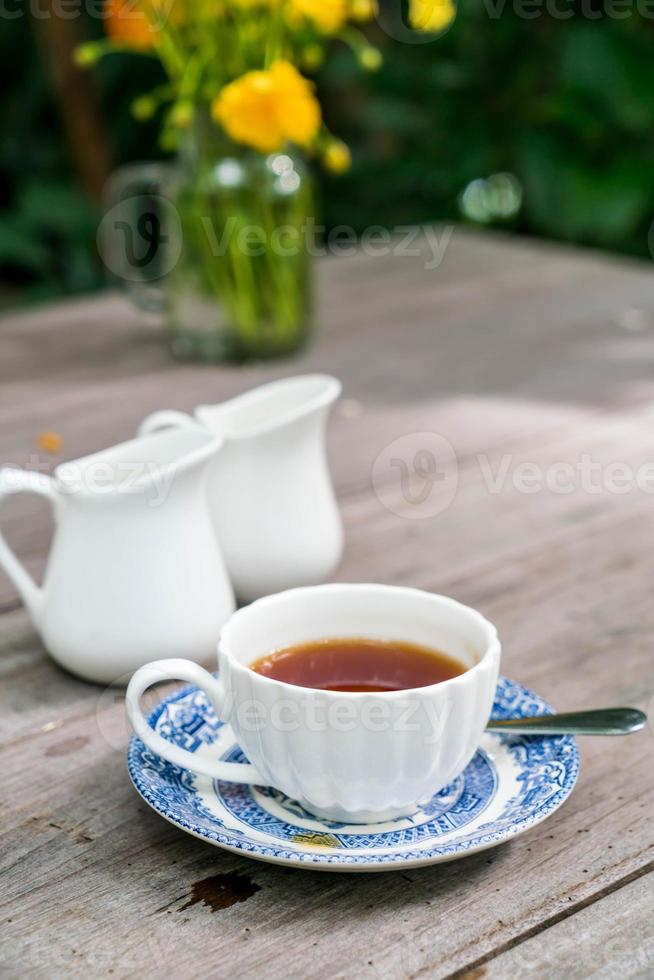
column 270, row 490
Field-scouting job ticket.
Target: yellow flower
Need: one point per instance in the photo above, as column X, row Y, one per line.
column 431, row 15
column 264, row 109
column 136, row 23
column 363, row 10
column 327, row 15
column 127, row 25
column 337, row 158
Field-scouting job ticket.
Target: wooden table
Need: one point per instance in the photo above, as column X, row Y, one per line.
column 515, row 353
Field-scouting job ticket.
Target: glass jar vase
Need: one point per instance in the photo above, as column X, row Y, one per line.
column 219, row 244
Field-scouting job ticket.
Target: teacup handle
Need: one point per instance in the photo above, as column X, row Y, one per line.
column 23, row 481
column 184, row 670
column 165, row 419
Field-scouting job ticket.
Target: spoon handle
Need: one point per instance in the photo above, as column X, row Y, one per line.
column 603, row 721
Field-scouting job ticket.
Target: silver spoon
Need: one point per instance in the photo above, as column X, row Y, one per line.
column 602, row 721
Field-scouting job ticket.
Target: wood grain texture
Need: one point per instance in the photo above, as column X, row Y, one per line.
column 509, row 351
column 617, row 929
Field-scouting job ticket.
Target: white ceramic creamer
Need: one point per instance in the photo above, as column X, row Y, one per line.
column 135, row 570
column 270, row 490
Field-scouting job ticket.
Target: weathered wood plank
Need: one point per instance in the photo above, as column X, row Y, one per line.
column 609, row 938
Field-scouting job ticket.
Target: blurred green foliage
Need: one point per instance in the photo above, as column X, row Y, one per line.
column 565, row 105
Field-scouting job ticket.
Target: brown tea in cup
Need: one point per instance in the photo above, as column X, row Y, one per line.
column 358, row 665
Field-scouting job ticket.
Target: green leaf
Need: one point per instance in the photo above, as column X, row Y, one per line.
column 19, row 248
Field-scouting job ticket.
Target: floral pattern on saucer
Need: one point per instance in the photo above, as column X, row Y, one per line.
column 512, row 783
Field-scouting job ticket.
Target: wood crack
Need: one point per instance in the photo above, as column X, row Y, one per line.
column 542, row 926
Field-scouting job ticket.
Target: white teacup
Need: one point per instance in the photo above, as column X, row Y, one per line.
column 351, row 757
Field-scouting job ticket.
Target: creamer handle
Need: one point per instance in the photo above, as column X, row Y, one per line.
column 165, row 419
column 185, row 670
column 23, row 481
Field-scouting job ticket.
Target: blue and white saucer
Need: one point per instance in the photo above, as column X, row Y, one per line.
column 512, row 783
